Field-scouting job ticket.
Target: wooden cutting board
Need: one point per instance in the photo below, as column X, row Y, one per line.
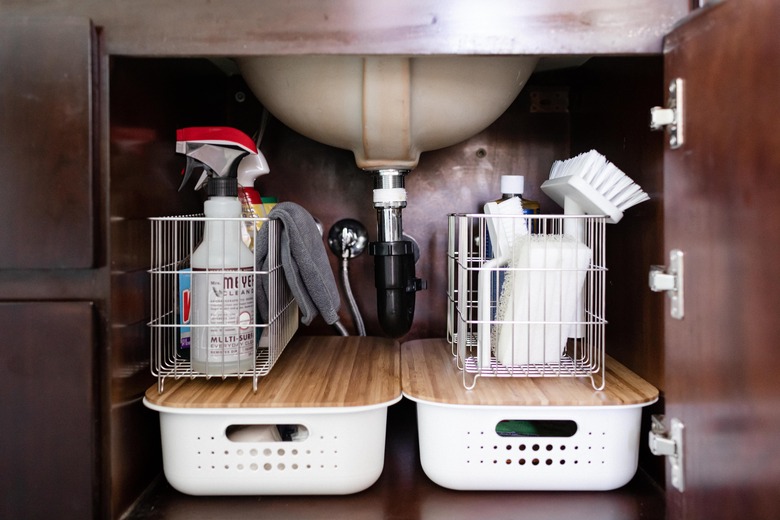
column 429, row 373
column 316, row 371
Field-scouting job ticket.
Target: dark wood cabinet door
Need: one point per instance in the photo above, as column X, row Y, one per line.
column 48, row 427
column 47, row 215
column 722, row 209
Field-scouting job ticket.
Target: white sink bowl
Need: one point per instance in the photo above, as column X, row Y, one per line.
column 387, row 109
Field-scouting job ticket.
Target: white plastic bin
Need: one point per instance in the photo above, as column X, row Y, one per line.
column 315, row 425
column 460, row 448
column 342, row 453
column 540, row 433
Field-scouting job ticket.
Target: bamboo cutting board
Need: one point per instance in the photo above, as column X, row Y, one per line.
column 316, row 371
column 429, row 373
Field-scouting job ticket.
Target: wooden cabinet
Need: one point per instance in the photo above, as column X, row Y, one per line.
column 49, row 440
column 50, row 393
column 713, row 198
column 47, row 149
column 721, row 192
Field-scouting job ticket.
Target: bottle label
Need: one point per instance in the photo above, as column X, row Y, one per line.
column 185, row 308
column 224, row 300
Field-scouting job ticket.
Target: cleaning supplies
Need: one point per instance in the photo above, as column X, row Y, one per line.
column 223, row 295
column 503, row 227
column 269, row 203
column 252, row 206
column 222, row 286
column 591, row 185
column 538, row 302
column 510, row 203
column 184, row 308
column 306, row 266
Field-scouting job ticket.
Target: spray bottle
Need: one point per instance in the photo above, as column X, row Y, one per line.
column 249, row 169
column 222, row 287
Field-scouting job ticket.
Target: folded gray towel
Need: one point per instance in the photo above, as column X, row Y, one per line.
column 305, row 264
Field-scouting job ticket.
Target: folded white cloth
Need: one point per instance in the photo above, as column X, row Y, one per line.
column 505, row 225
column 537, row 309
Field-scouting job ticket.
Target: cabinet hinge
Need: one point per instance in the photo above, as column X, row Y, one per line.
column 672, row 117
column 670, row 281
column 668, row 442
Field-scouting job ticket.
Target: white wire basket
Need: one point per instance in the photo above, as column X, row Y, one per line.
column 530, row 301
column 174, row 239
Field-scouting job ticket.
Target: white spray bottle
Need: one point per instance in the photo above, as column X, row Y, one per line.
column 223, row 282
column 249, row 169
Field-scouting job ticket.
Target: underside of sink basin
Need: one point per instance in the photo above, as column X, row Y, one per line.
column 387, row 109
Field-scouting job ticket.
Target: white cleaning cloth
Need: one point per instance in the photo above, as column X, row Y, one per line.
column 537, row 310
column 505, row 225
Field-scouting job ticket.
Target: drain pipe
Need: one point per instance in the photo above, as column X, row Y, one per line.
column 394, row 276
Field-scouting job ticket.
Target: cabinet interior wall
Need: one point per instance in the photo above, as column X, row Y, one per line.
column 606, row 104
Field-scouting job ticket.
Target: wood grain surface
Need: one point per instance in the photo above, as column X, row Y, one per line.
column 429, row 373
column 246, row 27
column 722, row 358
column 315, row 371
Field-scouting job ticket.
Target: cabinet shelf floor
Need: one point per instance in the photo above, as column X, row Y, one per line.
column 403, row 492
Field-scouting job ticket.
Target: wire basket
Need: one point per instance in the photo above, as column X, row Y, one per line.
column 529, row 300
column 173, row 287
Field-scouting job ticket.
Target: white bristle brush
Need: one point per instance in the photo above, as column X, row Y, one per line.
column 589, row 184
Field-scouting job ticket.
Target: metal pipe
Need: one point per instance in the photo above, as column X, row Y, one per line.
column 394, row 259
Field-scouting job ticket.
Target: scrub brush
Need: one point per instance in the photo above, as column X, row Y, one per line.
column 589, row 184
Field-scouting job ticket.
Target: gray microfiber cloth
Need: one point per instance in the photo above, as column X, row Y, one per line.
column 305, row 265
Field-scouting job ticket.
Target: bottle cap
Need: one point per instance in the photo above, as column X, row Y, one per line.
column 512, row 184
column 222, row 187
